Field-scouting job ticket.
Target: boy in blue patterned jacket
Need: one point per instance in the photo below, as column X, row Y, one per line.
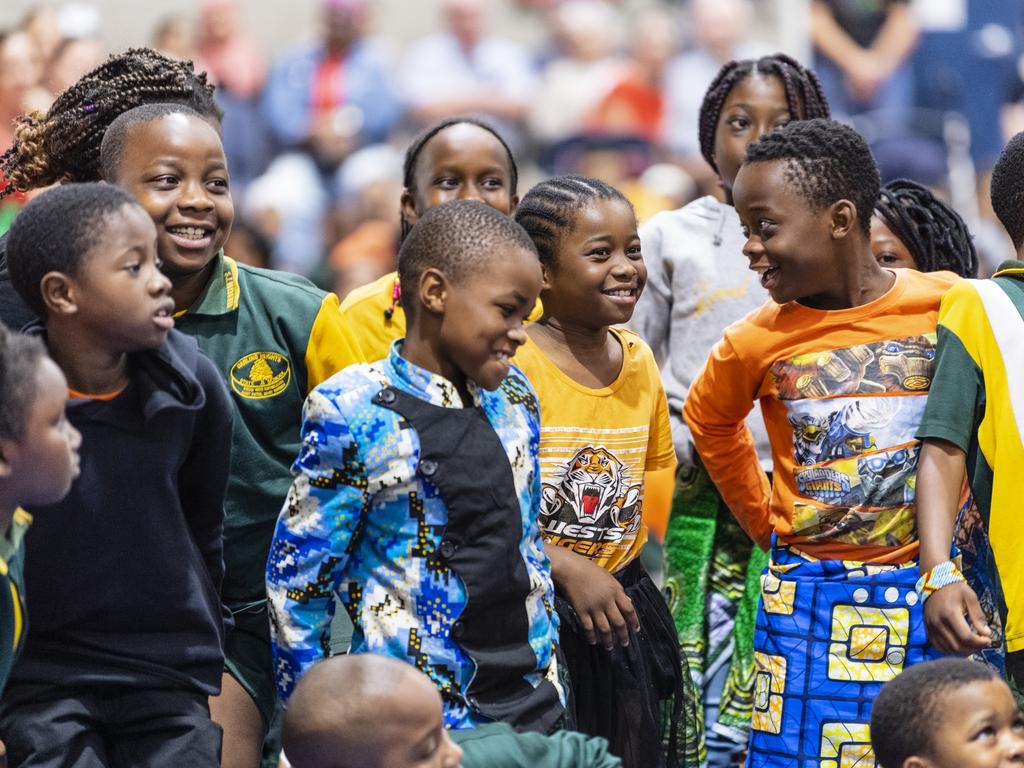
column 417, row 489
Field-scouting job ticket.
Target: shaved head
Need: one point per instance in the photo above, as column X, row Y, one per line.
column 364, row 711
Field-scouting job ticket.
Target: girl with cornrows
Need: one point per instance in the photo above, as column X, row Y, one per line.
column 698, row 284
column 456, row 159
column 604, row 432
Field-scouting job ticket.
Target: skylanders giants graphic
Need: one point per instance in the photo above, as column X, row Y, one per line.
column 826, row 430
column 595, row 509
column 897, row 365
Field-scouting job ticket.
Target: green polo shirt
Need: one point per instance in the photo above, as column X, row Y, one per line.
column 13, row 616
column 274, row 336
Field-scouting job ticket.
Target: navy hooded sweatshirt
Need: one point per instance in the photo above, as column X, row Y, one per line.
column 14, row 312
column 123, row 576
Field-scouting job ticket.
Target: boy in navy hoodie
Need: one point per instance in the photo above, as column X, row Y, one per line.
column 127, row 628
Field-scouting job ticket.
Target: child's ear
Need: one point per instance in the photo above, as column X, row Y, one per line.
column 433, row 291
column 546, row 281
column 58, row 293
column 513, row 204
column 407, row 205
column 916, row 761
column 843, row 215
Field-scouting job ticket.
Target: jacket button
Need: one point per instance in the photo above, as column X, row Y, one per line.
column 458, row 628
column 473, row 702
column 386, row 396
column 447, row 549
column 427, row 467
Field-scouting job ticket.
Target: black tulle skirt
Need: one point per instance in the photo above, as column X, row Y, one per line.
column 639, row 697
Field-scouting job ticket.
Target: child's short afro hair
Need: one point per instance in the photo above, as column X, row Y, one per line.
column 1008, row 189
column 19, row 361
column 55, row 231
column 826, row 162
column 116, row 137
column 458, row 238
column 907, row 712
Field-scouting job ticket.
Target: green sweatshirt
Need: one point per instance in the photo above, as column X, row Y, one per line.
column 274, row 336
column 497, row 745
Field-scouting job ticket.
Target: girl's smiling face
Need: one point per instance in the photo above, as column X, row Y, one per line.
column 175, row 167
column 599, row 273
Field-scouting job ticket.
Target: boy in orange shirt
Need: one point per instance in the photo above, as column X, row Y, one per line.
column 841, row 361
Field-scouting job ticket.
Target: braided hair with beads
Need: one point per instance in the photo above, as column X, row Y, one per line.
column 933, row 232
column 64, row 143
column 804, row 94
column 549, row 209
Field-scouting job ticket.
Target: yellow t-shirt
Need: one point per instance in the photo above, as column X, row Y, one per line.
column 364, row 310
column 595, row 446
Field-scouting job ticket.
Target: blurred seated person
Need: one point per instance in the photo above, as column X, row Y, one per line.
column 466, row 71
column 331, row 97
column 720, row 33
column 863, row 52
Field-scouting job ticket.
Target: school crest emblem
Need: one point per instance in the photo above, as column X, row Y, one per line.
column 261, row 375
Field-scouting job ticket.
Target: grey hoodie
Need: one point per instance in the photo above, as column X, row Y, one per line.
column 698, row 283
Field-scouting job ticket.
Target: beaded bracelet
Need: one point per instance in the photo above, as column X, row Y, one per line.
column 942, row 575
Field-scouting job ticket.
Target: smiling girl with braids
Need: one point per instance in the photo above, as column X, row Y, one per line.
column 64, row 143
column 698, row 284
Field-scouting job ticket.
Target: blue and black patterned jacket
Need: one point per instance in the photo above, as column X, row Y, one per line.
column 363, row 521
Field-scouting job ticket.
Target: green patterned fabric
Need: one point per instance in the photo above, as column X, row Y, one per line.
column 712, row 576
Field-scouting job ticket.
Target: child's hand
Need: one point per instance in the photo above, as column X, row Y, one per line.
column 604, row 610
column 955, row 621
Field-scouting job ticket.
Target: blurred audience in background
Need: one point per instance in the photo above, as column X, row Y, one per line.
column 612, row 88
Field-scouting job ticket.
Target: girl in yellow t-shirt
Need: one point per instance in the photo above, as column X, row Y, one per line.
column 604, row 424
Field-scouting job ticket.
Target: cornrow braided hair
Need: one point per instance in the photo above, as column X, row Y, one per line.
column 933, row 232
column 804, row 94
column 412, row 155
column 64, row 143
column 549, row 210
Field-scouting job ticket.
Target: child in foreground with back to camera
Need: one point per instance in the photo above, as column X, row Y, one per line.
column 416, row 492
column 841, row 360
column 604, row 426
column 974, row 421
column 698, row 283
column 273, row 336
column 949, row 713
column 126, row 640
column 368, row 711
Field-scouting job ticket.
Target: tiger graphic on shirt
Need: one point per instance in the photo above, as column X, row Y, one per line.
column 595, row 492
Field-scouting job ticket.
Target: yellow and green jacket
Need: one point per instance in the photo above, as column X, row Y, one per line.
column 13, row 617
column 976, row 402
column 273, row 336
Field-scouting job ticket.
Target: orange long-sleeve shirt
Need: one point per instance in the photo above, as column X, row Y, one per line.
column 842, row 393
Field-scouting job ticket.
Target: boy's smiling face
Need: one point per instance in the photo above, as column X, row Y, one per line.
column 483, row 316
column 175, row 167
column 789, row 244
column 980, row 727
